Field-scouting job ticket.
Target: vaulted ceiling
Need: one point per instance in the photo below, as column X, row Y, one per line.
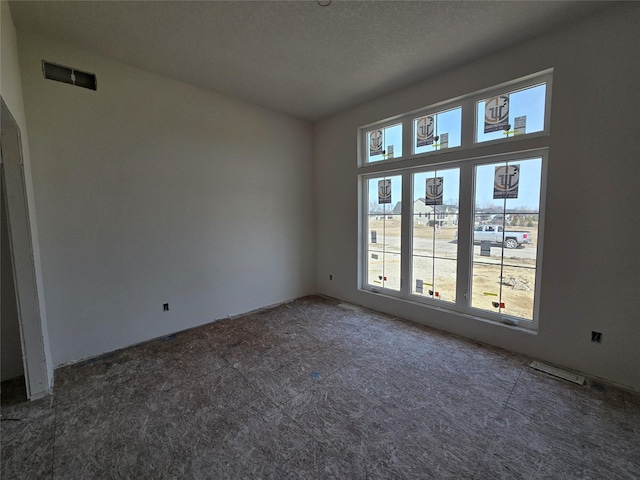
column 297, row 57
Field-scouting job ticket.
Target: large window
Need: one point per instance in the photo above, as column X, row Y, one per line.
column 435, row 221
column 461, row 233
column 506, row 216
column 384, row 220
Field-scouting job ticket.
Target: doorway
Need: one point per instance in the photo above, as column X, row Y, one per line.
column 31, row 332
column 11, row 348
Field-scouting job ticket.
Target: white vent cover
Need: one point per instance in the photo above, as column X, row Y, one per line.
column 348, row 306
column 556, row 372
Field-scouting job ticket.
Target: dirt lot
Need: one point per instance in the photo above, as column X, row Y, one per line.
column 515, row 289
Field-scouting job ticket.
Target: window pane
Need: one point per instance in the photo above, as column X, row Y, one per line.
column 437, row 131
column 521, row 110
column 485, row 286
column 376, row 237
column 435, row 221
column 518, row 289
column 423, row 275
column 375, row 274
column 444, row 279
column 506, row 216
column 391, row 277
column 384, row 143
column 526, row 254
column 383, row 231
column 392, row 233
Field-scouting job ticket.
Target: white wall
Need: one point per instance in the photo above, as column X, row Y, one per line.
column 22, row 214
column 591, row 265
column 150, row 190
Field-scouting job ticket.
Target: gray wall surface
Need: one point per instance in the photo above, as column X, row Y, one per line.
column 591, row 264
column 152, row 191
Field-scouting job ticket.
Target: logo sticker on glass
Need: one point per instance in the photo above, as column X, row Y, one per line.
column 375, row 143
column 496, row 114
column 384, row 191
column 506, row 181
column 424, row 131
column 434, row 190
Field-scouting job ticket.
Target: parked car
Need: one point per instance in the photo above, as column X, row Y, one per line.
column 496, row 234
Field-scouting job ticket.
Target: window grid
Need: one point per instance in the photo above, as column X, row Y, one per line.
column 466, row 162
column 468, row 134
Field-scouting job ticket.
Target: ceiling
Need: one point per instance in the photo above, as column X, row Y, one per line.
column 296, row 57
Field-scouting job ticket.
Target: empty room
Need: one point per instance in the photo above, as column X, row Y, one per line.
column 320, row 239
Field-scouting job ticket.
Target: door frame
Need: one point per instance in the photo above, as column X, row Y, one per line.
column 38, row 369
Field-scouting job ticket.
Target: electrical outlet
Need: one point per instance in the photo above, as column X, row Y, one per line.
column 596, row 337
column 165, row 307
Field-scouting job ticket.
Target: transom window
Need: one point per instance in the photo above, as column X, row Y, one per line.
column 384, row 143
column 463, row 234
column 512, row 113
column 437, row 131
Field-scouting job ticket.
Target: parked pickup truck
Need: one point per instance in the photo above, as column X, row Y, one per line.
column 495, row 234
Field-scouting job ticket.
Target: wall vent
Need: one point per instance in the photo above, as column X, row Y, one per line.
column 63, row 74
column 556, row 372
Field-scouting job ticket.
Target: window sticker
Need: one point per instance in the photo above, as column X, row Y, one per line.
column 434, row 189
column 419, row 286
column 520, row 125
column 375, row 143
column 424, row 131
column 496, row 114
column 506, row 181
column 444, row 140
column 384, row 191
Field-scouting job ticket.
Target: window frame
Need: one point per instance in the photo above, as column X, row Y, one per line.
column 364, row 240
column 363, row 145
column 510, row 157
column 465, row 157
column 421, row 298
column 436, row 111
column 512, row 87
column 468, row 134
column 464, row 258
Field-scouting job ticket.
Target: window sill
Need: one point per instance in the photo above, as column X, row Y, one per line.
column 530, row 330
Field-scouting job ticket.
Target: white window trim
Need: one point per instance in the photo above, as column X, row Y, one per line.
column 363, row 146
column 531, row 145
column 437, row 111
column 465, row 232
column 468, row 103
column 510, row 87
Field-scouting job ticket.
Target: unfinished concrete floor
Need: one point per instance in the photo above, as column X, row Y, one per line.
column 312, row 390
